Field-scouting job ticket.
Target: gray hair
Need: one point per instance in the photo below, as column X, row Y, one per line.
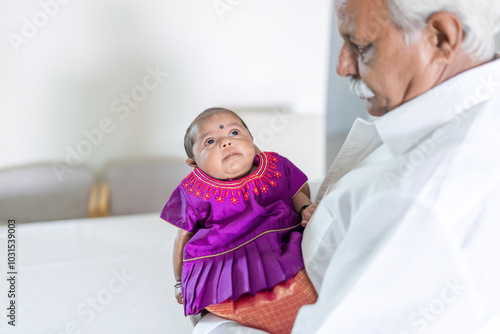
column 480, row 20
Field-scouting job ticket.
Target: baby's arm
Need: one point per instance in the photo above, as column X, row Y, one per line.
column 299, row 200
column 180, row 241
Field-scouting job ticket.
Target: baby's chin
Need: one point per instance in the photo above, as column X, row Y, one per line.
column 238, row 174
column 238, row 170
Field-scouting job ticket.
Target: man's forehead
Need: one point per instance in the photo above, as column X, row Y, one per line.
column 346, row 17
column 361, row 16
column 358, row 4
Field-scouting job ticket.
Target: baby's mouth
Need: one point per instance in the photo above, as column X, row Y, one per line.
column 230, row 154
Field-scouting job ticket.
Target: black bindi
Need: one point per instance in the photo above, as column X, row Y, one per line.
column 221, row 126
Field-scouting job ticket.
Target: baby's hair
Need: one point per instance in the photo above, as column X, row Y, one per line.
column 188, row 137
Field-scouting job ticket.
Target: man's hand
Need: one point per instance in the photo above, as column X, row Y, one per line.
column 307, row 213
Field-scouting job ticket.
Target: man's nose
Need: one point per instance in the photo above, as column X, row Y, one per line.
column 347, row 65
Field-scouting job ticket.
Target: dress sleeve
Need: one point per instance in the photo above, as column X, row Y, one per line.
column 180, row 212
column 296, row 177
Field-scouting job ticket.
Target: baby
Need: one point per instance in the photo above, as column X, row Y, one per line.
column 240, row 214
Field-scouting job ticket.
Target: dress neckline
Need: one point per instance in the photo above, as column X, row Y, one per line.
column 262, row 180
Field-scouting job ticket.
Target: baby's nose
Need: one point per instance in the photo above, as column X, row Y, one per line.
column 225, row 142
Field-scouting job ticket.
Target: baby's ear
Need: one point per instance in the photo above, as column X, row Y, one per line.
column 191, row 162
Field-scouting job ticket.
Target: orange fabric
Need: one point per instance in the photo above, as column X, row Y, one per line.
column 272, row 311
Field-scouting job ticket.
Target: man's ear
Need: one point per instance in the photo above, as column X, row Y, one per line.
column 446, row 35
column 191, row 162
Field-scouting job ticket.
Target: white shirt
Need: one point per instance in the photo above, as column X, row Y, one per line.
column 407, row 237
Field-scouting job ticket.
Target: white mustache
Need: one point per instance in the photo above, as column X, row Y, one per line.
column 359, row 88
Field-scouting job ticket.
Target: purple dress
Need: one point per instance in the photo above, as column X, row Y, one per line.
column 247, row 235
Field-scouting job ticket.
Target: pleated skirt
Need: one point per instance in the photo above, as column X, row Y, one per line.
column 258, row 265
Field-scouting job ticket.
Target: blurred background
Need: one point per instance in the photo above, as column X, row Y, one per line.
column 70, row 66
column 95, row 82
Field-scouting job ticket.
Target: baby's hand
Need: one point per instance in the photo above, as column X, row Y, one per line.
column 178, row 295
column 307, row 213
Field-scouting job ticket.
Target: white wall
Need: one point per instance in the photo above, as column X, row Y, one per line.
column 299, row 137
column 59, row 80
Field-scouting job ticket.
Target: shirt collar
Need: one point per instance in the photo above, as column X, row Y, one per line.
column 401, row 128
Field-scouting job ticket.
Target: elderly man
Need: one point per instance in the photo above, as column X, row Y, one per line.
column 406, row 236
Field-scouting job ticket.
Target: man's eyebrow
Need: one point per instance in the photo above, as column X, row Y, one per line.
column 350, row 38
column 347, row 36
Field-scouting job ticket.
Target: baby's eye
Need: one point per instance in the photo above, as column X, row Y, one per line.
column 210, row 141
column 235, row 133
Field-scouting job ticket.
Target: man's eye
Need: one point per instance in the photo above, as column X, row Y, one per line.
column 210, row 141
column 362, row 48
column 235, row 133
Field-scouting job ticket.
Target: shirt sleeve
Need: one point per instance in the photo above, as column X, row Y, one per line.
column 296, row 177
column 180, row 212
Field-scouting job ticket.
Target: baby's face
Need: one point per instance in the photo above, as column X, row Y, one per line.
column 223, row 147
